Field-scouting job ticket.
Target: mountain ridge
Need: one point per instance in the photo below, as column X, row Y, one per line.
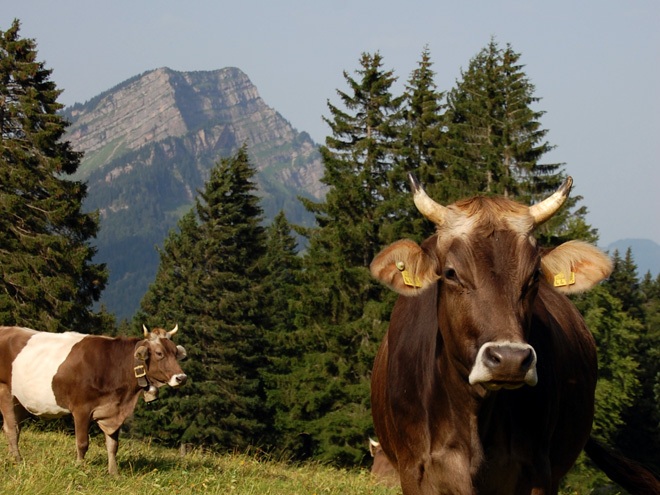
column 149, row 144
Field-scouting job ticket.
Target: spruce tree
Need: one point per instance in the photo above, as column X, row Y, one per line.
column 208, row 282
column 618, row 388
column 342, row 320
column 652, row 320
column 623, row 284
column 616, row 334
column 358, row 158
column 420, row 144
column 48, row 280
column 640, row 436
column 495, row 141
column 281, row 288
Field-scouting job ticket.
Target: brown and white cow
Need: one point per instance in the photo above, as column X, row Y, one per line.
column 484, row 383
column 93, row 378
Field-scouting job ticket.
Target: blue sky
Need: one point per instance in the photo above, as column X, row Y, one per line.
column 595, row 65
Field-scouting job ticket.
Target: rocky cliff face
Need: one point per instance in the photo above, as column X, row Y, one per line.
column 218, row 110
column 149, row 144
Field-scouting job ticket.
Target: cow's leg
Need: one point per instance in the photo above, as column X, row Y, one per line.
column 12, row 415
column 112, row 444
column 81, row 420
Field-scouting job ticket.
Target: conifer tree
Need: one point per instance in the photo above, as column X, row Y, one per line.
column 281, row 288
column 422, row 126
column 280, row 284
column 358, row 157
column 623, row 284
column 495, row 140
column 420, row 144
column 618, row 387
column 208, row 282
column 342, row 318
column 640, row 435
column 651, row 290
column 48, row 280
column 616, row 334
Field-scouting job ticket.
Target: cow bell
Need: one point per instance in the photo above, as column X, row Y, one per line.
column 150, row 394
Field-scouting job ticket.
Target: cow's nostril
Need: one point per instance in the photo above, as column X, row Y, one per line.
column 492, row 357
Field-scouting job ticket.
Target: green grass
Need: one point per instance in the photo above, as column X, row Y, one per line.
column 50, row 467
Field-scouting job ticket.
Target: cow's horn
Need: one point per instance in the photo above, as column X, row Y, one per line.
column 146, row 332
column 543, row 211
column 426, row 206
column 373, row 445
column 173, row 331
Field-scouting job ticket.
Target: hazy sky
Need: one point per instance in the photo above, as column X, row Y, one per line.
column 595, row 65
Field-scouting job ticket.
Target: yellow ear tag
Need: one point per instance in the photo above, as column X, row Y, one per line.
column 407, row 279
column 560, row 279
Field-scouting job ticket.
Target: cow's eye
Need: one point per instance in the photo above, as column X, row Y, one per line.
column 450, row 275
column 159, row 354
column 534, row 279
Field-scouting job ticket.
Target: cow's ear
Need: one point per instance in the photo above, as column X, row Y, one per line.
column 575, row 266
column 142, row 353
column 180, row 352
column 404, row 267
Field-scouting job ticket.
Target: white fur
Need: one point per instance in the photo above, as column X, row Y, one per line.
column 174, row 382
column 35, row 366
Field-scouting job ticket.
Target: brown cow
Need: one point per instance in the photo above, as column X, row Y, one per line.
column 94, row 378
column 484, row 383
column 382, row 468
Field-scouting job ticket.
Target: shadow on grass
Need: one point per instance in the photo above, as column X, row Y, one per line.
column 161, row 460
column 141, row 464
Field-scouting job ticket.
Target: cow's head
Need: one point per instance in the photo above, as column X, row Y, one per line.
column 488, row 267
column 382, row 466
column 156, row 361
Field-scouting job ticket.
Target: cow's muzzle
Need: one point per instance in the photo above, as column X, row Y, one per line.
column 177, row 380
column 504, row 365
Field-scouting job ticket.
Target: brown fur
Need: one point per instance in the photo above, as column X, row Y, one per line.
column 481, row 284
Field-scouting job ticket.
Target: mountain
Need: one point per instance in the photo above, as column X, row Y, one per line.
column 645, row 252
column 149, row 144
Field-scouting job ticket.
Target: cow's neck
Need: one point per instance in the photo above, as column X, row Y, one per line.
column 461, row 407
column 112, row 415
column 125, row 365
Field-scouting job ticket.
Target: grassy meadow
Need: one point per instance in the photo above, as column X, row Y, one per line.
column 49, row 467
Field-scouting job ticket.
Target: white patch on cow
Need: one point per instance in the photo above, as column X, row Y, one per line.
column 35, row 366
column 460, row 226
column 482, row 374
column 175, row 381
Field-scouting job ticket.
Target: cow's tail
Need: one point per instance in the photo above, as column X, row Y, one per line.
column 630, row 475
